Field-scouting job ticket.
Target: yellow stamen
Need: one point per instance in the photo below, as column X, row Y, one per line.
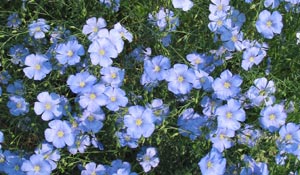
column 220, row 7
column 37, row 67
column 156, row 69
column 60, row 133
column 221, row 136
column 113, row 98
column 92, row 96
column 269, row 23
column 47, row 106
column 70, row 53
column 180, row 79
column 37, row 29
column 138, row 122
column 229, row 115
column 288, row 137
column 113, row 75
column 101, row 52
column 19, row 105
column 219, row 22
column 82, row 84
column 37, row 168
column 197, row 61
column 209, row 164
column 95, row 29
column 272, row 117
column 91, row 118
column 251, row 59
column 234, row 39
column 227, row 85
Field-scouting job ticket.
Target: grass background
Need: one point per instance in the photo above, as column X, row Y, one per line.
column 178, row 155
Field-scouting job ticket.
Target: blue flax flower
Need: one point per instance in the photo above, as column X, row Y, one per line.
column 69, row 53
column 48, row 105
column 272, row 117
column 221, row 139
column 13, row 20
column 126, row 140
column 289, row 137
column 123, row 32
column 92, row 26
column 18, row 53
column 80, row 145
column 227, row 85
column 49, row 153
column 272, row 3
column 116, row 98
column 38, row 66
column 148, row 158
column 93, row 169
column 160, row 110
column 185, row 5
column 101, row 51
column 232, row 39
column 36, row 165
column 262, row 92
column 17, row 105
column 180, row 79
column 230, row 115
column 17, row 88
column 81, row 82
column 213, row 163
column 14, row 163
column 139, row 122
column 251, row 56
column 249, row 136
column 38, row 28
column 254, row 167
column 112, row 76
column 219, row 6
column 92, row 121
column 93, row 99
column 268, row 24
column 157, row 67
column 59, row 133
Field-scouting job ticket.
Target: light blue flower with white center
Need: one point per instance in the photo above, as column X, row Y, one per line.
column 116, row 98
column 157, row 67
column 38, row 66
column 221, row 139
column 123, row 32
column 17, row 88
column 80, row 145
column 59, row 133
column 232, row 39
column 272, row 117
column 272, row 3
column 180, row 79
column 213, row 163
column 48, row 105
column 101, row 51
column 94, row 99
column 126, row 140
column 139, row 122
column 289, row 137
column 230, row 115
column 36, row 165
column 13, row 21
column 38, row 28
column 92, row 121
column 92, row 26
column 227, row 85
column 148, row 158
column 69, row 53
column 251, row 56
column 269, row 24
column 113, row 76
column 93, row 169
column 49, row 153
column 81, row 82
column 17, row 105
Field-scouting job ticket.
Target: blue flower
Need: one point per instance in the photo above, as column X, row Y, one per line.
column 14, row 163
column 232, row 39
column 81, row 82
column 180, row 79
column 92, row 121
column 139, row 122
column 227, row 85
column 13, row 20
column 251, row 56
column 148, row 158
column 289, row 137
column 272, row 117
column 38, row 66
column 221, row 139
column 126, row 140
column 123, row 32
column 38, row 28
column 4, row 77
column 230, row 115
column 93, row 169
column 262, row 92
column 219, row 6
column 116, row 98
column 18, row 53
column 48, row 105
column 185, row 5
column 49, row 153
column 157, row 67
column 254, row 167
column 237, row 18
column 112, row 76
column 59, row 133
column 93, row 25
column 36, row 165
column 268, row 24
column 94, row 98
column 101, row 51
column 213, row 163
column 17, row 105
column 16, row 88
column 160, row 110
column 249, row 136
column 80, row 145
column 69, row 53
